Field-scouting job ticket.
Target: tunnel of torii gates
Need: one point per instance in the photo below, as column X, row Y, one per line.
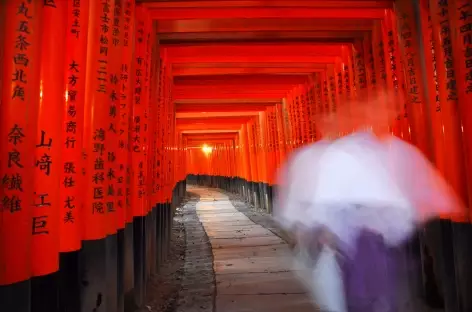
column 108, row 106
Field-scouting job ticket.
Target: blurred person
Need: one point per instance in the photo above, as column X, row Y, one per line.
column 354, row 198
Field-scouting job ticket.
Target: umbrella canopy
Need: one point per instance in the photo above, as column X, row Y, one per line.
column 296, row 181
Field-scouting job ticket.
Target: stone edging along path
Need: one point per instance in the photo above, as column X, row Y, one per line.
column 257, row 216
column 198, row 285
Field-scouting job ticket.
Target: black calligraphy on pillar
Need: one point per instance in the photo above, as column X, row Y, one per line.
column 371, row 61
column 339, row 81
column 465, row 31
column 445, row 33
column 98, row 176
column 407, row 37
column 326, row 95
column 434, row 61
column 382, row 65
column 20, row 57
column 393, row 61
column 360, row 69
column 75, row 27
column 347, row 85
column 332, row 85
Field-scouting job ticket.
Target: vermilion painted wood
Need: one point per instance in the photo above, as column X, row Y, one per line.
column 215, row 114
column 152, row 4
column 267, row 50
column 239, row 71
column 264, row 12
column 225, row 107
column 207, row 80
column 269, row 24
column 232, row 96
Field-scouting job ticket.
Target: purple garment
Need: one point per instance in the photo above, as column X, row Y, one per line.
column 370, row 275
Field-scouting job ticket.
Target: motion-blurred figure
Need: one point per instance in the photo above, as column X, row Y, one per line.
column 351, row 200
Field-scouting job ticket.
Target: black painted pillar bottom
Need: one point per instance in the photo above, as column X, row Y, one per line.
column 139, row 230
column 112, row 272
column 16, row 297
column 69, row 282
column 93, row 275
column 128, row 271
column 120, row 237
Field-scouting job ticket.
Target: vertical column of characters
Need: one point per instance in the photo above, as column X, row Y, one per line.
column 262, row 135
column 359, row 67
column 310, row 95
column 431, row 80
column 338, row 69
column 448, row 96
column 349, row 91
column 318, row 89
column 96, row 118
column 460, row 12
column 298, row 117
column 125, row 92
column 397, row 74
column 370, row 69
column 168, row 142
column 72, row 179
column 254, row 149
column 282, row 139
column 338, row 83
column 287, row 131
column 250, row 156
column 138, row 111
column 46, row 205
column 288, row 116
column 277, row 138
column 112, row 40
column 332, row 87
column 19, row 89
column 408, row 42
column 379, row 57
column 391, row 70
column 146, row 137
column 160, row 135
column 153, row 112
column 269, row 143
column 348, row 72
column 305, row 112
column 164, row 136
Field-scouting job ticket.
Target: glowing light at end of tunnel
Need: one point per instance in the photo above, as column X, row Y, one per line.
column 207, row 149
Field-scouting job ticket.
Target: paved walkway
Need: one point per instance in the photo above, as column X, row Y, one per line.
column 252, row 265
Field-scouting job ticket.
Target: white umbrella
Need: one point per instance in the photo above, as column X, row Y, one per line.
column 296, row 181
column 355, row 190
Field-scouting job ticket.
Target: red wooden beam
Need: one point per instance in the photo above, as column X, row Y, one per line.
column 215, row 114
column 227, row 101
column 240, row 80
column 263, row 12
column 223, row 107
column 201, row 58
column 245, row 25
column 232, row 96
column 245, row 64
column 256, row 50
column 356, row 4
column 208, row 127
column 185, row 72
column 203, row 131
column 214, row 120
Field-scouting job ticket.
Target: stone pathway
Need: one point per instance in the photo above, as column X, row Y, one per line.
column 252, row 266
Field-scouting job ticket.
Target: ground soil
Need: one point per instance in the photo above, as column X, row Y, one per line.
column 163, row 289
